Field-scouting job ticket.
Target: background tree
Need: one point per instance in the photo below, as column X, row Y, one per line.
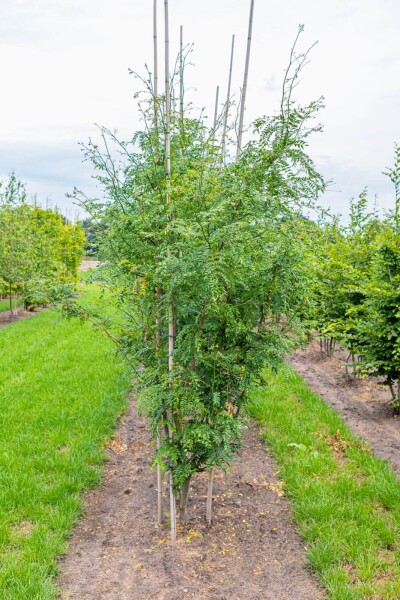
column 38, row 251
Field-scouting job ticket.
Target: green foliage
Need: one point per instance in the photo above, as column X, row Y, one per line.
column 357, row 287
column 36, row 246
column 212, row 251
column 93, row 232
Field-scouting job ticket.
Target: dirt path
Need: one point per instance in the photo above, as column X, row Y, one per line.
column 363, row 403
column 6, row 317
column 250, row 553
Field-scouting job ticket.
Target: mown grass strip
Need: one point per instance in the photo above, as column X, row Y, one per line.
column 61, row 390
column 345, row 500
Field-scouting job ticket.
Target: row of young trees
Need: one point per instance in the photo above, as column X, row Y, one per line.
column 39, row 251
column 356, row 286
column 202, row 252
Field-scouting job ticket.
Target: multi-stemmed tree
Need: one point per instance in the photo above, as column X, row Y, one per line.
column 201, row 253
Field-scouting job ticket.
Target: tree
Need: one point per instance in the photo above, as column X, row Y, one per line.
column 206, row 267
column 38, row 250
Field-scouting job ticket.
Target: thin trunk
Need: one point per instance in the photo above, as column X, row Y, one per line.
column 172, row 502
column 244, row 88
column 216, row 109
column 183, row 501
column 392, row 392
column 160, row 516
column 10, row 297
column 168, row 200
column 228, row 97
column 209, row 496
column 353, row 359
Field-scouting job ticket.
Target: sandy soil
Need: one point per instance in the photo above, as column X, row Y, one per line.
column 251, row 552
column 88, row 264
column 364, row 404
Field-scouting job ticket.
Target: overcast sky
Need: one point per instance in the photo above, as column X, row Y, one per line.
column 64, row 67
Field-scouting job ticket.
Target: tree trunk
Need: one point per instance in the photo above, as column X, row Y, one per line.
column 209, row 496
column 172, row 501
column 183, row 500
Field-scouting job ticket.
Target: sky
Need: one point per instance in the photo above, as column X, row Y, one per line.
column 65, row 68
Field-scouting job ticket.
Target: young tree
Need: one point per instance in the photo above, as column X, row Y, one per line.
column 206, row 266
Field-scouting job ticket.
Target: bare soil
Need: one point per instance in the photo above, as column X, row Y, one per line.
column 88, row 264
column 363, row 403
column 251, row 552
column 6, row 317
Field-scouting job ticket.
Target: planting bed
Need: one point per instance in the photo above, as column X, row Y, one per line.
column 363, row 403
column 251, row 552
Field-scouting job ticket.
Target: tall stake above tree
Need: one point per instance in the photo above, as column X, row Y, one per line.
column 216, row 109
column 228, row 98
column 171, row 329
column 158, row 291
column 244, row 88
column 181, row 89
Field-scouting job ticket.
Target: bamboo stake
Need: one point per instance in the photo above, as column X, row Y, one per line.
column 223, row 139
column 168, row 199
column 244, row 88
column 209, row 496
column 160, row 517
column 181, row 90
column 216, row 108
column 155, row 52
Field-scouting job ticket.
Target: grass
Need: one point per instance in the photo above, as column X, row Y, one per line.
column 5, row 304
column 345, row 500
column 61, row 390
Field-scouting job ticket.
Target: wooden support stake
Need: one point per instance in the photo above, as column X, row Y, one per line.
column 244, row 88
column 228, row 97
column 216, row 109
column 181, row 89
column 171, row 328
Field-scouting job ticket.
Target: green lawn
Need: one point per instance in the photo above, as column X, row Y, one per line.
column 345, row 500
column 61, row 390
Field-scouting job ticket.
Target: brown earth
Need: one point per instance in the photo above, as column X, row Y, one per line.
column 363, row 403
column 6, row 317
column 251, row 552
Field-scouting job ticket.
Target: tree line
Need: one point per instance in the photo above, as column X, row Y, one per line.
column 355, row 278
column 39, row 250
